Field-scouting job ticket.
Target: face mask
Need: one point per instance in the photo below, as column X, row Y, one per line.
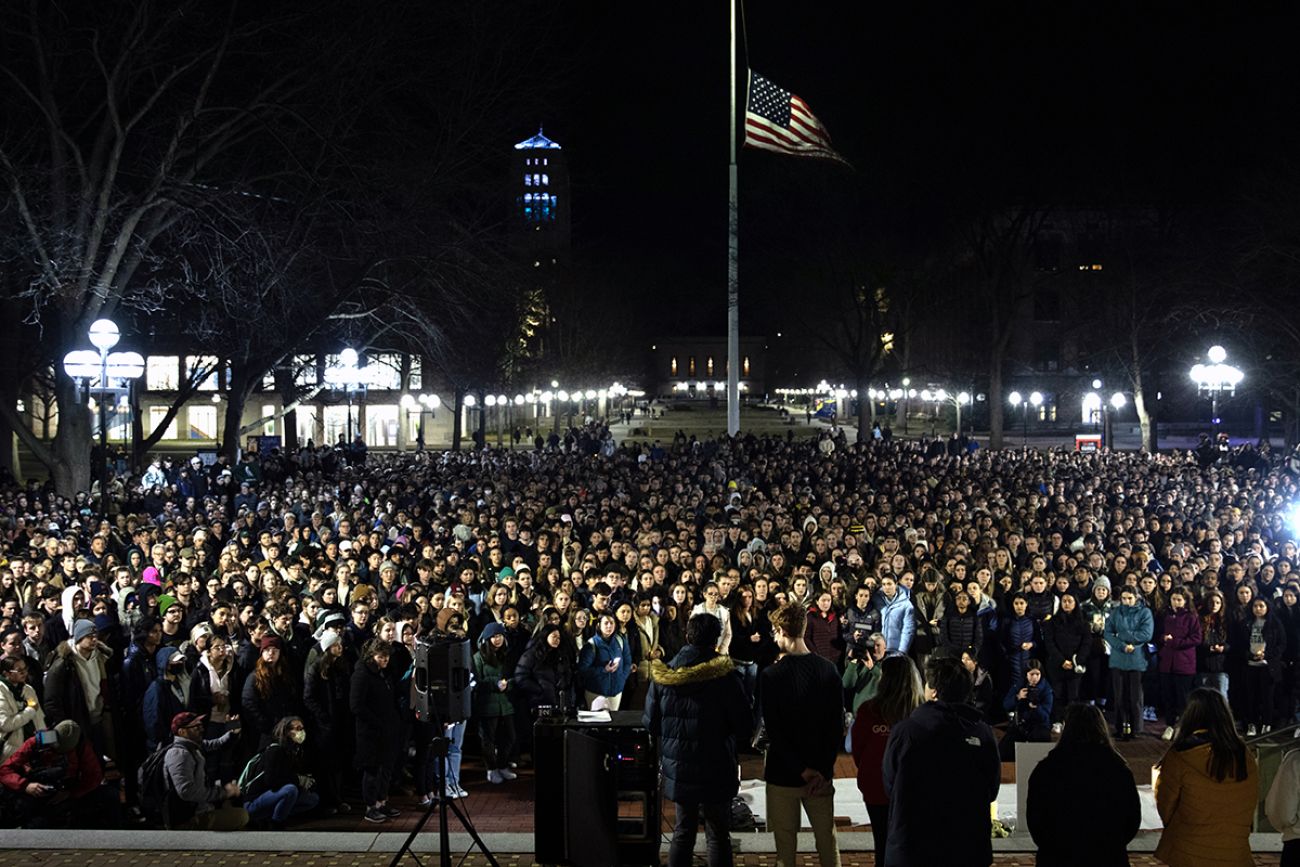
column 298, row 736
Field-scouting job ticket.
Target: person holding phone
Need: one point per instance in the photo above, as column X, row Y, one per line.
column 605, row 664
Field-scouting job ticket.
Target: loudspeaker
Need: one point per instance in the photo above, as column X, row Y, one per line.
column 596, row 797
column 440, row 690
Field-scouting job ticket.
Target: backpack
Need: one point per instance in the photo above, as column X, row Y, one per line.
column 254, row 769
column 154, row 787
column 742, row 817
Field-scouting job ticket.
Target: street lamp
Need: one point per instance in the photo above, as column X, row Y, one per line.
column 1018, row 402
column 419, row 404
column 962, row 399
column 85, row 365
column 347, row 376
column 1215, row 378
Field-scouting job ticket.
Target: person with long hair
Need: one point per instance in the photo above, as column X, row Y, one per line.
column 898, row 693
column 1211, row 656
column 1263, row 638
column 284, row 787
column 374, row 710
column 1207, row 788
column 545, row 674
column 492, row 704
column 1178, row 638
column 1083, row 782
column 1068, row 639
column 604, row 664
column 326, row 694
column 1128, row 629
column 269, row 693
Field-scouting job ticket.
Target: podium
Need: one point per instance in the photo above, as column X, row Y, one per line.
column 596, row 797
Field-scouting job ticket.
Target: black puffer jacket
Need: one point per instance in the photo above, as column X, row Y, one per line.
column 1067, row 636
column 545, row 675
column 697, row 708
column 961, row 631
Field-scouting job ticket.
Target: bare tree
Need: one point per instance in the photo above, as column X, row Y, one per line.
column 125, row 121
column 996, row 250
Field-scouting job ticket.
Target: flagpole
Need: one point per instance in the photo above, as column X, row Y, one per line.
column 733, row 256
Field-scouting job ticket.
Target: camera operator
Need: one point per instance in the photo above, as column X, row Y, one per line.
column 56, row 780
column 862, row 667
column 1030, row 704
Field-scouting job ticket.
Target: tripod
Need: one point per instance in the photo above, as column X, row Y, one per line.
column 439, row 745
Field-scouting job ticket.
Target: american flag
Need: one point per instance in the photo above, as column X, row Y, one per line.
column 777, row 120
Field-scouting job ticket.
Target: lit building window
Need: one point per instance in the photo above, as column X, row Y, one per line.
column 690, row 366
column 708, row 367
column 163, row 373
column 745, row 367
column 546, row 161
column 204, row 363
column 546, row 180
column 528, row 180
column 203, row 422
column 156, row 416
column 672, row 366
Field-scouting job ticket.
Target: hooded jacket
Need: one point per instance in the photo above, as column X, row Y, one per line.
column 697, row 708
column 163, row 700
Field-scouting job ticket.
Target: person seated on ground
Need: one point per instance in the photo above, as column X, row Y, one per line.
column 1083, row 783
column 1030, row 704
column 57, row 781
column 282, row 786
column 194, row 804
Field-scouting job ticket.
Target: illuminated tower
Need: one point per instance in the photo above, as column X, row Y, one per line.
column 539, row 241
column 540, row 220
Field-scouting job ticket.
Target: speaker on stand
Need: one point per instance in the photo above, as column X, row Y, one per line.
column 440, row 690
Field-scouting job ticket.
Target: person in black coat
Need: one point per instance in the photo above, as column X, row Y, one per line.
column 1261, row 639
column 697, row 709
column 544, row 675
column 329, row 719
column 1068, row 639
column 374, row 709
column 960, row 628
column 942, row 761
column 269, row 693
column 1083, row 783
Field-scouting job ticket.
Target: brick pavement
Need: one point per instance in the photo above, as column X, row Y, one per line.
column 68, row 858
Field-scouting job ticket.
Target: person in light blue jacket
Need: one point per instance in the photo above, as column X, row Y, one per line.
column 897, row 621
column 605, row 663
column 1128, row 629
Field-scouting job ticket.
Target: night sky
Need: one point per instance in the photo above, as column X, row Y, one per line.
column 939, row 108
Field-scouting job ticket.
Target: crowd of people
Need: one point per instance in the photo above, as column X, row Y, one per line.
column 244, row 631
